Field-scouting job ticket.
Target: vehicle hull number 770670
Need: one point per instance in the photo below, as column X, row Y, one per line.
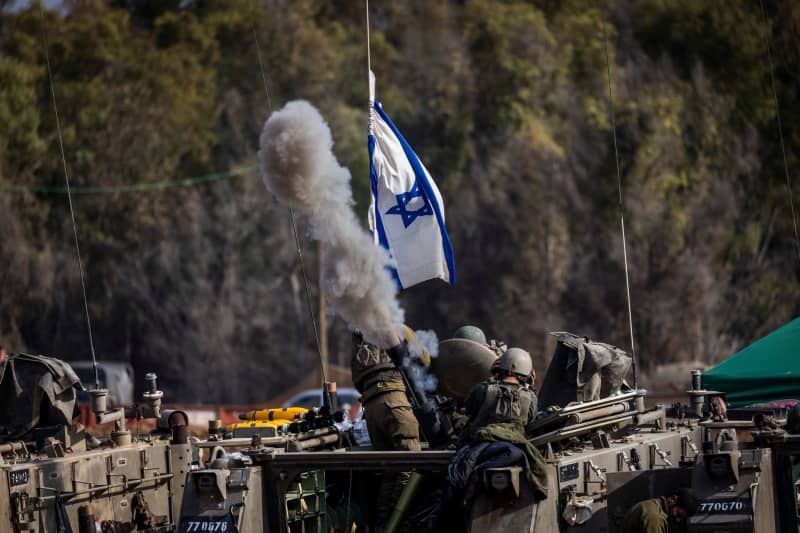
column 724, row 506
column 207, row 524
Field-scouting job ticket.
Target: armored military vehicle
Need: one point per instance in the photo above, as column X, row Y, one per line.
column 57, row 477
column 745, row 474
column 268, row 487
column 226, row 490
column 602, row 456
column 585, row 446
column 275, row 483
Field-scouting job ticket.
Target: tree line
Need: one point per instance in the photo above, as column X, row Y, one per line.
column 506, row 102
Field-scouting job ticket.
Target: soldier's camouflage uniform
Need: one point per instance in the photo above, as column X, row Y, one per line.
column 391, row 423
column 504, row 412
column 648, row 516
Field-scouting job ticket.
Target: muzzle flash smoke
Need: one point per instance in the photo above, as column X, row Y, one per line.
column 299, row 168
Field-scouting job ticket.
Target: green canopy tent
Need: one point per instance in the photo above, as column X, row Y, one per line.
column 765, row 371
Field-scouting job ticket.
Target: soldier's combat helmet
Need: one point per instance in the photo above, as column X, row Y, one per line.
column 517, row 362
column 471, row 333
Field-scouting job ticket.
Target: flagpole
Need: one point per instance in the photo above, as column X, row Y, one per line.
column 369, row 60
column 369, row 71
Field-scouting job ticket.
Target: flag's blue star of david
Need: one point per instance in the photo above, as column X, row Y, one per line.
column 403, row 201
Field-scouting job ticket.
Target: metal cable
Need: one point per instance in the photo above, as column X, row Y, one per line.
column 294, row 230
column 135, row 187
column 621, row 205
column 69, row 197
column 261, row 66
column 308, row 298
column 780, row 129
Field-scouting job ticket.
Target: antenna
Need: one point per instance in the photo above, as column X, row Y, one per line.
column 69, row 197
column 294, row 231
column 621, row 206
column 780, row 128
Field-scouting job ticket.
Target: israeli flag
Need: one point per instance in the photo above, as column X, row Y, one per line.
column 406, row 214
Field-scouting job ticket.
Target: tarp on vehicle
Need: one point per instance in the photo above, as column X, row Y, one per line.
column 765, row 371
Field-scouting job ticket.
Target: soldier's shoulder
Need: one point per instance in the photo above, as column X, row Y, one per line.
column 515, row 387
column 652, row 507
column 483, row 384
column 480, row 388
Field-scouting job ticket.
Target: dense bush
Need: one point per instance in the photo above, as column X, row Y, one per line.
column 506, row 103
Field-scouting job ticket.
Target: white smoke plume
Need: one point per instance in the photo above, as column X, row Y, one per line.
column 299, row 168
column 428, row 341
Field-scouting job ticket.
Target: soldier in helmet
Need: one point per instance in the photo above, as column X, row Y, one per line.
column 391, row 423
column 472, row 333
column 390, row 420
column 500, row 410
column 505, row 401
column 476, row 334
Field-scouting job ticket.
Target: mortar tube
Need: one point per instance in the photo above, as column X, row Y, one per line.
column 404, row 502
column 614, row 409
column 315, row 433
column 300, row 445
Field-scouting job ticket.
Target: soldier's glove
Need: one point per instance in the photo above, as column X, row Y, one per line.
column 398, row 354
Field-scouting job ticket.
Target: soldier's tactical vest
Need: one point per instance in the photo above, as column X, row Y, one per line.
column 371, row 368
column 503, row 403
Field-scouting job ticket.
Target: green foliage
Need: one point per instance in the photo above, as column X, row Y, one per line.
column 507, row 104
column 20, row 145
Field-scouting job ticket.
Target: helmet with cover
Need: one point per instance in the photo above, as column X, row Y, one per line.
column 471, row 333
column 516, row 362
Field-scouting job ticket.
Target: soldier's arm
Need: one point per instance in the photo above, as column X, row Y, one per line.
column 654, row 524
column 532, row 412
column 475, row 400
